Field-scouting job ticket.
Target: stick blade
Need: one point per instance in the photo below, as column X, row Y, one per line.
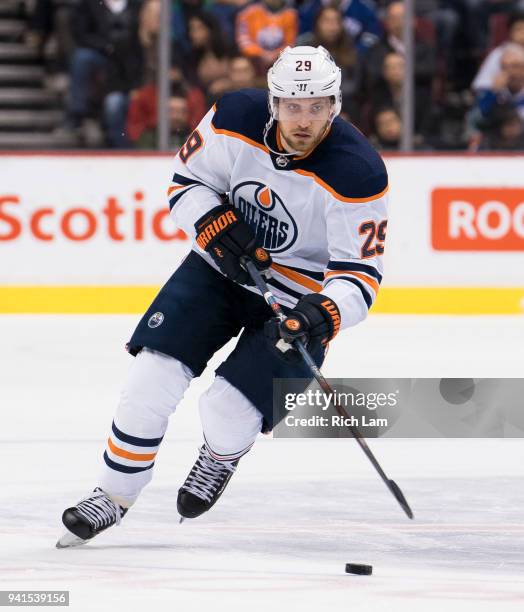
column 399, row 496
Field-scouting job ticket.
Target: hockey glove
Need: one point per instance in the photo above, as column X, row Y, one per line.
column 315, row 320
column 227, row 237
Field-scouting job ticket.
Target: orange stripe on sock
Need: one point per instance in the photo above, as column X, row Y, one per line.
column 127, row 455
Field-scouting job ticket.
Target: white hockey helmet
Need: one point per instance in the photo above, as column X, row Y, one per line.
column 304, row 72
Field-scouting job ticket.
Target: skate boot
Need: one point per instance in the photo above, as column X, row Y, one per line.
column 92, row 515
column 204, row 485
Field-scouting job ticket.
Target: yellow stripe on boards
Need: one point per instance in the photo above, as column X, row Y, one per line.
column 450, row 300
column 76, row 299
column 135, row 300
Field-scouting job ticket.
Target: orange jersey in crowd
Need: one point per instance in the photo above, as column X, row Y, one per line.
column 260, row 30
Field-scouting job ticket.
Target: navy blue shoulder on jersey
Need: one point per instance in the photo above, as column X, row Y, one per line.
column 347, row 162
column 244, row 111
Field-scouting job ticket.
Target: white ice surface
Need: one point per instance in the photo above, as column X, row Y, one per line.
column 295, row 512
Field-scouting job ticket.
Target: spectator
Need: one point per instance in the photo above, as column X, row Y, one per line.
column 264, row 29
column 507, row 87
column 207, row 62
column 491, row 65
column 226, row 12
column 143, row 108
column 359, row 17
column 505, row 131
column 242, row 73
column 181, row 12
column 388, row 92
column 392, row 41
column 179, row 126
column 387, row 129
column 330, row 33
column 107, row 37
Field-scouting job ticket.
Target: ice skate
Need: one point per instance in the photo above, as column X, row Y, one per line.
column 89, row 517
column 204, row 485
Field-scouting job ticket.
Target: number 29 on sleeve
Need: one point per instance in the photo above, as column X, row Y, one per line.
column 375, row 237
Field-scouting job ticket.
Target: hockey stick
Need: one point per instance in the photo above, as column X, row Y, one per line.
column 324, row 385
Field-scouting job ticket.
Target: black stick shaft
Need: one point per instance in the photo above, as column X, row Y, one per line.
column 324, row 385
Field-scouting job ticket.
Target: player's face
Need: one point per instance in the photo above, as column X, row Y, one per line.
column 303, row 122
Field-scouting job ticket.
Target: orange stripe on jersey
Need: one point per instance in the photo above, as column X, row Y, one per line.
column 338, row 196
column 372, row 283
column 127, row 455
column 171, row 189
column 296, row 277
column 240, row 137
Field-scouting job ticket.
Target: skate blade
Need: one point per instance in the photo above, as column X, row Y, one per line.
column 69, row 540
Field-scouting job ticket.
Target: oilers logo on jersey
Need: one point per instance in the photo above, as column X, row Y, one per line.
column 263, row 209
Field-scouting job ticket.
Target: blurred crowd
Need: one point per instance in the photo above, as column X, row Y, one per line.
column 468, row 64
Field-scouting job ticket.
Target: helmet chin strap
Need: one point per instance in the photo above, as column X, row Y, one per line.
column 283, row 159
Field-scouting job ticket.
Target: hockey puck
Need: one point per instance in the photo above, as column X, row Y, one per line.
column 358, row 568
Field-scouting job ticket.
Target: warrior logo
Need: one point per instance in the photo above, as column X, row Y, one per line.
column 265, row 212
column 155, row 320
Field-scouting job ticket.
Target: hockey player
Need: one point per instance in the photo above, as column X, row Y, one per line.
column 302, row 193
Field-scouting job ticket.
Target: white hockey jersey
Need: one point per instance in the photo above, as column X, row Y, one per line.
column 322, row 218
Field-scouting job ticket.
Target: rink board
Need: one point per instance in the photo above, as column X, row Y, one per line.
column 92, row 234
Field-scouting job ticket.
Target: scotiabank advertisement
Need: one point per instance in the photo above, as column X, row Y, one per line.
column 103, row 221
column 87, row 220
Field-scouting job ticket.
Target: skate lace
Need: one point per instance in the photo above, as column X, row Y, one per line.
column 99, row 509
column 207, row 475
